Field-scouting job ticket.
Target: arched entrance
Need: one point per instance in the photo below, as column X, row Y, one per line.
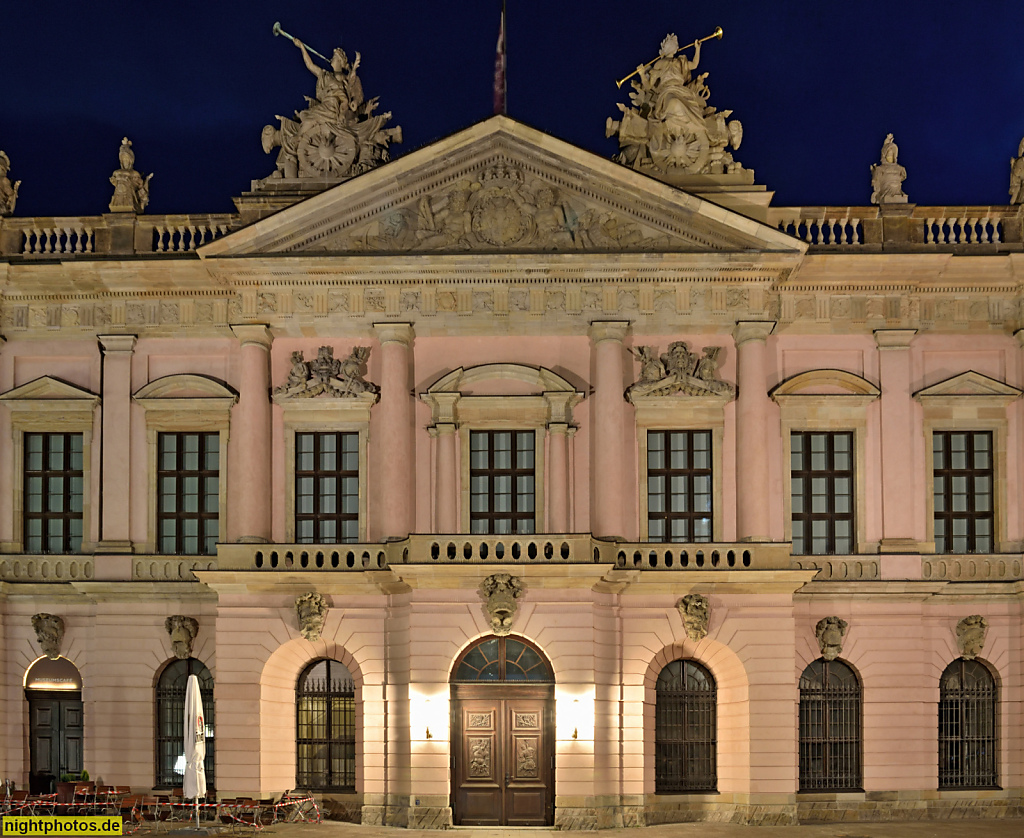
column 503, row 735
column 54, row 692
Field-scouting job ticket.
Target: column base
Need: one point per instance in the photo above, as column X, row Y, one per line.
column 899, row 545
column 111, row 547
column 252, row 539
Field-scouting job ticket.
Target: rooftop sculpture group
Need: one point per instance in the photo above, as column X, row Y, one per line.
column 887, row 176
column 8, row 193
column 337, row 136
column 669, row 128
column 131, row 189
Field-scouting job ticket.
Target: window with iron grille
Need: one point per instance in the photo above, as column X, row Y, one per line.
column 685, row 729
column 170, row 713
column 967, row 726
column 326, row 488
column 679, row 486
column 501, row 478
column 963, row 482
column 830, row 711
column 325, row 728
column 821, row 470
column 54, row 481
column 188, row 502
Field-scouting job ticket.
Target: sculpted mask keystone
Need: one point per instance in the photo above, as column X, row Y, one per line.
column 312, row 611
column 500, row 592
column 50, row 634
column 696, row 613
column 829, row 631
column 183, row 631
column 970, row 635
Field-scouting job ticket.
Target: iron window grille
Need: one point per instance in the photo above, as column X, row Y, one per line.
column 968, row 750
column 326, row 488
column 502, row 478
column 679, row 505
column 170, row 711
column 188, row 502
column 497, row 659
column 325, row 728
column 54, row 482
column 685, row 729
column 830, row 727
column 963, row 483
column 821, row 470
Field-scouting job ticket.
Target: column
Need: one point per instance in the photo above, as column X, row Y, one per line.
column 897, row 431
column 558, row 477
column 753, row 520
column 115, row 442
column 446, row 482
column 608, row 479
column 249, row 488
column 397, row 466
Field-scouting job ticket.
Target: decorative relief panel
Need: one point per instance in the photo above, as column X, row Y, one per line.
column 526, row 758
column 479, row 756
column 479, row 720
column 530, row 721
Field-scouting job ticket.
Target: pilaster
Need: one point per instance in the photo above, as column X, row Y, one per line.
column 753, row 521
column 608, row 412
column 396, row 418
column 115, row 442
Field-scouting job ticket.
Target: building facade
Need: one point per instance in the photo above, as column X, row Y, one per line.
column 505, row 484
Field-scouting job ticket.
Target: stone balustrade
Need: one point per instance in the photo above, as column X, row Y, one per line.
column 999, row 568
column 36, row 569
column 840, row 568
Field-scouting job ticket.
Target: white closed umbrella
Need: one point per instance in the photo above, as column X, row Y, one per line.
column 194, row 781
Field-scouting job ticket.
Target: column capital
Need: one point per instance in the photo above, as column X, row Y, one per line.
column 402, row 333
column 601, row 330
column 748, row 330
column 256, row 334
column 113, row 344
column 894, row 338
column 560, row 428
column 442, row 407
column 443, row 429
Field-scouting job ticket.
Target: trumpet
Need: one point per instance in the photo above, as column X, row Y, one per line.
column 716, row 34
column 279, row 31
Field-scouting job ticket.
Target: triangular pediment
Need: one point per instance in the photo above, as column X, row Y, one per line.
column 969, row 383
column 502, row 187
column 48, row 389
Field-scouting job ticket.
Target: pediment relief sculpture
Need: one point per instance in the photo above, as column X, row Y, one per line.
column 668, row 127
column 970, row 636
column 49, row 630
column 696, row 613
column 311, row 609
column 337, row 136
column 183, row 631
column 327, row 376
column 679, row 372
column 499, row 592
column 829, row 633
column 131, row 189
column 8, row 191
column 502, row 208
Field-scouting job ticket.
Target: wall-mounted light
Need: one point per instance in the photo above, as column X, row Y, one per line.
column 428, row 716
column 574, row 713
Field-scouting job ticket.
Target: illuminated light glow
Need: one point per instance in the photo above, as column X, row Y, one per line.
column 574, row 713
column 46, row 674
column 428, row 714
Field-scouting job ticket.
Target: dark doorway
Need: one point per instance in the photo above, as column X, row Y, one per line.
column 503, row 735
column 55, row 738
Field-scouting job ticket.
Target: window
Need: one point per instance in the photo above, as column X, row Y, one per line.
column 501, row 475
column 170, row 712
column 326, row 488
column 502, row 659
column 830, row 708
column 325, row 728
column 679, row 486
column 54, row 480
column 189, row 493
column 685, row 729
column 967, row 726
column 963, row 486
column 821, row 473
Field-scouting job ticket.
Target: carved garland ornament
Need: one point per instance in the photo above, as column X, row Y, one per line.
column 499, row 593
column 312, row 612
column 183, row 631
column 696, row 613
column 970, row 636
column 326, row 376
column 49, row 630
column 829, row 633
column 678, row 372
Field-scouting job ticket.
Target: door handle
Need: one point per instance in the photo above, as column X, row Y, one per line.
column 506, row 779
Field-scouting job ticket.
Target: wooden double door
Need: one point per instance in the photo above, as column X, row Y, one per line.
column 55, row 737
column 503, row 754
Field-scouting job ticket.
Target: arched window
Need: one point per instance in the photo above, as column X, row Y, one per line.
column 685, row 729
column 170, row 722
column 830, row 708
column 325, row 728
column 502, row 659
column 967, row 726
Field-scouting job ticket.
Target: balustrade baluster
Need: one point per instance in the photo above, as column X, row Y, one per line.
column 971, row 233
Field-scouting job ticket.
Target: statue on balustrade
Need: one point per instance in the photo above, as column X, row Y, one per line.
column 325, row 375
column 8, row 193
column 678, row 372
column 1016, row 177
column 887, row 176
column 669, row 128
column 131, row 189
column 338, row 136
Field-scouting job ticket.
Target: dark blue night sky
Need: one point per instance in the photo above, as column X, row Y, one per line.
column 816, row 85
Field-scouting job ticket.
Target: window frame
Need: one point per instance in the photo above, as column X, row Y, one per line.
column 513, row 472
column 351, row 694
column 176, row 715
column 828, row 702
column 689, row 701
column 994, row 721
column 971, row 514
column 45, row 514
column 691, row 515
column 830, row 474
column 178, row 473
column 338, row 517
